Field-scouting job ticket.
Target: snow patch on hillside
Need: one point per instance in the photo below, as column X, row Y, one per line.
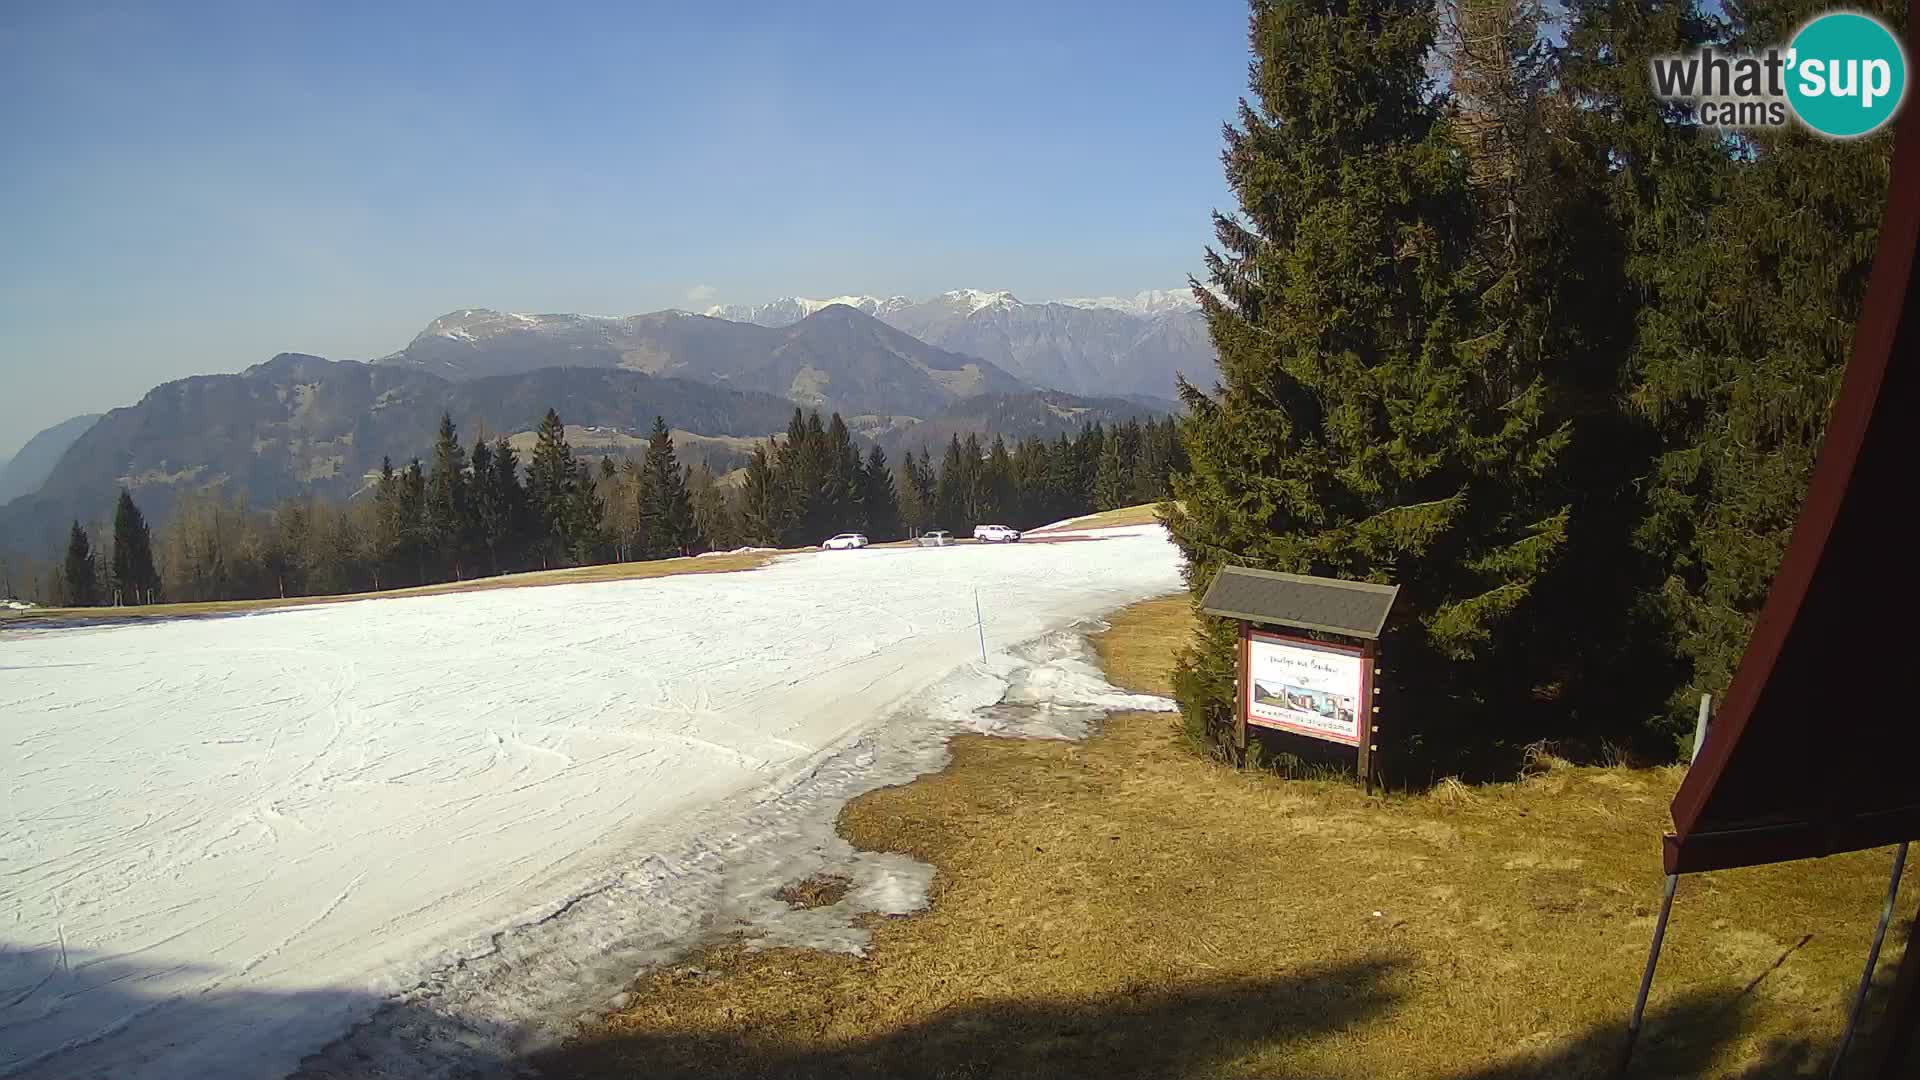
column 431, row 831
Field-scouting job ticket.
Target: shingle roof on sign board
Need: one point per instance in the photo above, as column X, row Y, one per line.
column 1355, row 608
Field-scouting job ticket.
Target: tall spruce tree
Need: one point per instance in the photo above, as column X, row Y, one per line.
column 1741, row 363
column 913, row 512
column 842, row 482
column 133, row 576
column 415, row 540
column 763, row 512
column 553, row 481
column 80, row 574
column 950, row 496
column 878, row 499
column 1111, row 481
column 926, row 486
column 583, row 516
column 1541, row 133
column 666, row 508
column 715, row 521
column 449, row 511
column 1362, row 428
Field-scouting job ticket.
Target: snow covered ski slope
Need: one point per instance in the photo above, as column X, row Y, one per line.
column 227, row 840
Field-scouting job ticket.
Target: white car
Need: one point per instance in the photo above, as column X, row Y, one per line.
column 995, row 534
column 844, row 542
column 936, row 538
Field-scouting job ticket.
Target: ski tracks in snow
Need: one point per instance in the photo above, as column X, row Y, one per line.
column 228, row 840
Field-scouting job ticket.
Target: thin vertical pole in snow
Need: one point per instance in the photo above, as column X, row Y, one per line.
column 981, row 625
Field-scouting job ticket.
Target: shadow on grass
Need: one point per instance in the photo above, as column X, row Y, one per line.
column 1195, row 1030
column 1205, row 1029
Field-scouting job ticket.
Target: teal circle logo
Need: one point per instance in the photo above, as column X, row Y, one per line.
column 1848, row 74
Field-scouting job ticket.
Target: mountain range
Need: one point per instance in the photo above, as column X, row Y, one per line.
column 834, row 359
column 1098, row 345
column 27, row 470
column 298, row 424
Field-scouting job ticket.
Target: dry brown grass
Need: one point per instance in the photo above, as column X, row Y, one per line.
column 820, row 890
column 1143, row 514
column 1122, row 908
column 716, row 564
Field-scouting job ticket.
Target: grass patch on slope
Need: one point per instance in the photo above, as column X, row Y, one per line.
column 1122, row 908
column 1143, row 514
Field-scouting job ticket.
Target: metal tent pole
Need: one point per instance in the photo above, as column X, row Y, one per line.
column 1873, row 958
column 1646, row 978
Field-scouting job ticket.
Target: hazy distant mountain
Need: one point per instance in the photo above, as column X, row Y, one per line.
column 298, row 424
column 1095, row 345
column 834, row 358
column 791, row 309
column 25, row 471
column 301, row 424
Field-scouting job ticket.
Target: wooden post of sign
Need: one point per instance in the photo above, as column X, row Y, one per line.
column 1240, row 691
column 1369, row 718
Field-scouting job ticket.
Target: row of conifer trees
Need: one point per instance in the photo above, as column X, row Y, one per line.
column 480, row 510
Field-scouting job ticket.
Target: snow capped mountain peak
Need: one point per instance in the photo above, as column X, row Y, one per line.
column 1148, row 302
column 791, row 309
column 979, row 299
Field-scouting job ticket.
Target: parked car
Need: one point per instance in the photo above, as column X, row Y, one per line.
column 936, row 538
column 995, row 534
column 844, row 542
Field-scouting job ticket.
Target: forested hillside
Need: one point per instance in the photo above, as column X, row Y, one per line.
column 479, row 507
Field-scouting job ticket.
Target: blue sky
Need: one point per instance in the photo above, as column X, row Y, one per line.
column 191, row 188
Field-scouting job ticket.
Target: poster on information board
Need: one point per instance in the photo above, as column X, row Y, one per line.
column 1306, row 687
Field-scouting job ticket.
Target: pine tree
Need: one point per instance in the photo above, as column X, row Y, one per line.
column 1360, row 430
column 800, row 470
column 483, row 499
column 80, row 576
column 763, row 515
column 134, row 579
column 415, row 540
column 913, row 512
column 1740, row 364
column 973, row 482
column 666, row 509
column 996, row 483
column 1085, row 468
column 714, row 520
column 878, row 499
column 951, row 497
column 390, row 525
column 1552, row 138
column 583, row 518
column 926, row 487
column 499, row 503
column 448, row 519
column 553, row 479
column 842, row 481
column 1111, row 482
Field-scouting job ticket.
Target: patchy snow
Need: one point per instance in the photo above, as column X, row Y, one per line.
column 734, row 551
column 451, row 824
